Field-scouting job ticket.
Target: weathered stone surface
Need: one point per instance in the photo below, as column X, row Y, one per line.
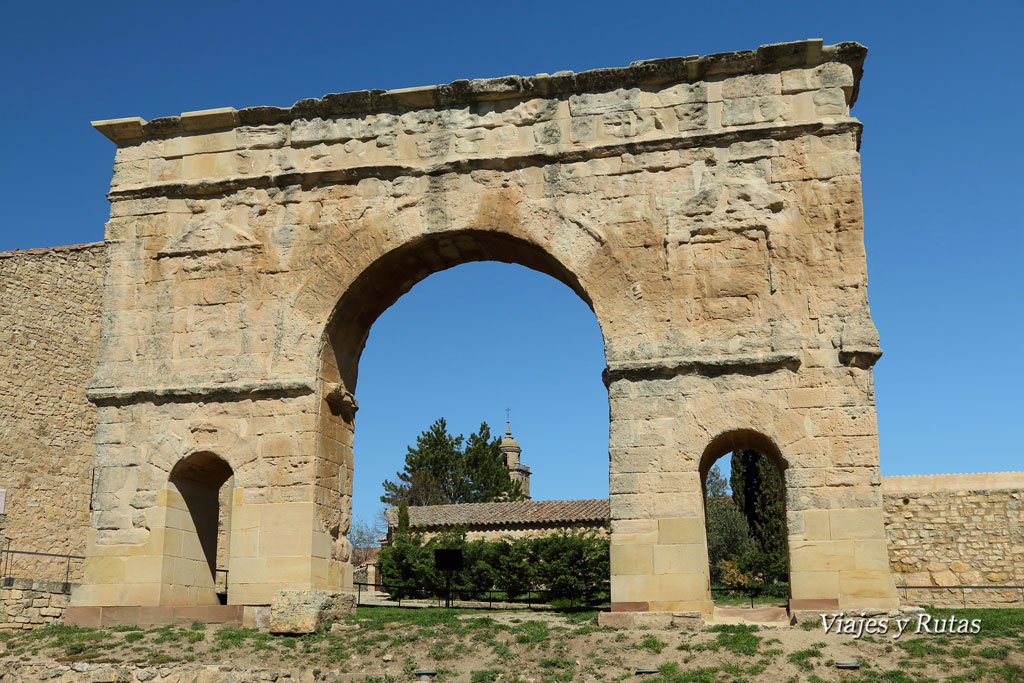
column 305, row 611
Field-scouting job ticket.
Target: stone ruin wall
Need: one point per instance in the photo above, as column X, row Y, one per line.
column 942, row 529
column 49, row 338
column 956, row 530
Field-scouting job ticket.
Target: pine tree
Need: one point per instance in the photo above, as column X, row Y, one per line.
column 439, row 470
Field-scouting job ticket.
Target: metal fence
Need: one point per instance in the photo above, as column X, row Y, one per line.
column 366, row 594
column 780, row 590
column 35, row 566
column 489, row 599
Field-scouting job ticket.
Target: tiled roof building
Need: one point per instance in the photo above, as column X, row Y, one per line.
column 507, row 516
column 516, row 518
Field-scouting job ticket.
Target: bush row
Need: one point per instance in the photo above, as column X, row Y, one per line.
column 566, row 565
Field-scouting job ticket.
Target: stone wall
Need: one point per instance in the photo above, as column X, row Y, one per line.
column 957, row 530
column 30, row 603
column 50, row 310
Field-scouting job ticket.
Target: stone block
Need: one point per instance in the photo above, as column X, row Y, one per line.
column 680, row 559
column 860, row 584
column 681, row 530
column 808, row 585
column 871, row 554
column 857, row 523
column 305, row 611
column 821, row 555
column 682, row 587
column 631, row 559
column 204, row 143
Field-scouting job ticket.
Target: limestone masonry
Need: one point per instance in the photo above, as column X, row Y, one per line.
column 49, row 341
column 707, row 209
column 957, row 530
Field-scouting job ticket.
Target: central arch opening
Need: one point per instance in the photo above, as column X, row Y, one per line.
column 484, row 328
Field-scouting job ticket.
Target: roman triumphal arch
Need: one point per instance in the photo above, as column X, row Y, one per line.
column 707, row 209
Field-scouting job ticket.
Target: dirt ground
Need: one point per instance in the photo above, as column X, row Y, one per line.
column 381, row 645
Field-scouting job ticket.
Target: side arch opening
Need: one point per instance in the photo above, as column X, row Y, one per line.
column 742, row 476
column 197, row 534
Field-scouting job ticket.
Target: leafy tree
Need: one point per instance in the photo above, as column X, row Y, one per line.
column 571, row 565
column 441, row 470
column 364, row 537
column 727, row 530
column 758, row 492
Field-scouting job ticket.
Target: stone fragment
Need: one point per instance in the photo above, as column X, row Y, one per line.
column 830, row 101
column 604, row 103
column 299, row 611
column 692, row 116
column 315, row 130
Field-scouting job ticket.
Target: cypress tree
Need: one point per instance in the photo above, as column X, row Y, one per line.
column 759, row 493
column 403, row 518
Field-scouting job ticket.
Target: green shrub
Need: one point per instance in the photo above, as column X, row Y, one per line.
column 568, row 566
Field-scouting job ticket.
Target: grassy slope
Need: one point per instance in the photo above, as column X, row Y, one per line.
column 506, row 647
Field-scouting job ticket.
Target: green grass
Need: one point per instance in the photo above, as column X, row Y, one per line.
column 921, row 647
column 515, row 649
column 671, row 673
column 484, row 675
column 651, row 644
column 738, row 638
column 802, row 658
column 531, row 632
column 995, row 622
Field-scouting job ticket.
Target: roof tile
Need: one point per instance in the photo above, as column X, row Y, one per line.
column 507, row 513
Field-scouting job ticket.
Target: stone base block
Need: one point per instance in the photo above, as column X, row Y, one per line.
column 305, row 611
column 256, row 616
column 687, row 621
column 147, row 616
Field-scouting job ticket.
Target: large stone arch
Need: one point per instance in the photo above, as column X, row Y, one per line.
column 393, row 269
column 707, row 210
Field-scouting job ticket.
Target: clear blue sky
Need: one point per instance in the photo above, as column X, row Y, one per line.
column 941, row 100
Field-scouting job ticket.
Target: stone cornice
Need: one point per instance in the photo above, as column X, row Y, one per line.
column 896, row 485
column 759, row 131
column 767, row 58
column 105, row 396
column 706, row 365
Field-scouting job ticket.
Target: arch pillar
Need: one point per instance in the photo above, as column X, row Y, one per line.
column 666, row 430
column 143, row 548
